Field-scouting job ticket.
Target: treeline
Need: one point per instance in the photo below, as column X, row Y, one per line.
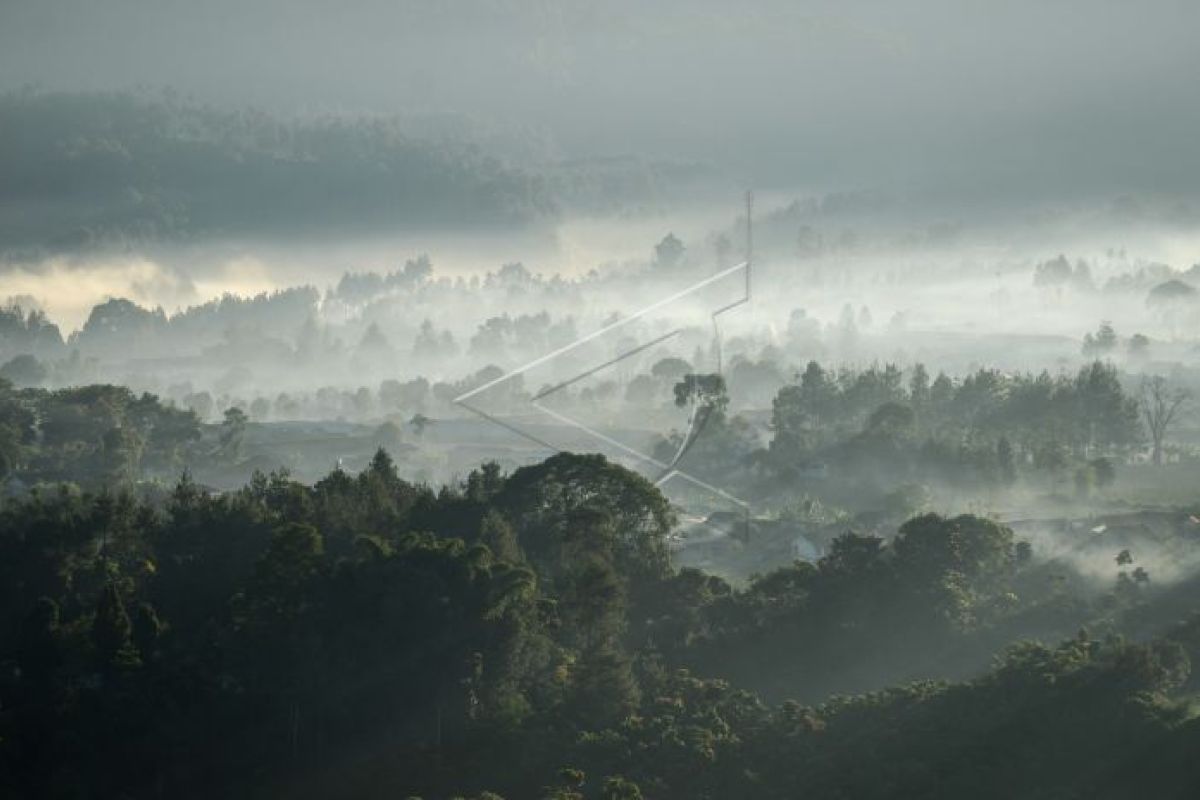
column 80, row 170
column 526, row 634
column 368, row 323
column 120, row 330
column 985, row 428
column 95, row 435
column 1059, row 273
column 28, row 332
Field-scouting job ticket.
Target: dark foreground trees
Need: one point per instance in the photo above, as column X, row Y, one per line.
column 525, row 635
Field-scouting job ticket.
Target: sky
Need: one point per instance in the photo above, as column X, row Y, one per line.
column 973, row 99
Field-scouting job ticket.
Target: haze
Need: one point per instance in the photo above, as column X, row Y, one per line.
column 599, row 401
column 955, row 96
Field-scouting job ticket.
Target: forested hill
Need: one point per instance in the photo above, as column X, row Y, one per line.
column 525, row 634
column 79, row 170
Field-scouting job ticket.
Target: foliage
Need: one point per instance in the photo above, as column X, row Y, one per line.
column 165, row 169
column 368, row 637
column 975, row 432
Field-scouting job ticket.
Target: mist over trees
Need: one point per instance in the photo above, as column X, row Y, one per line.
column 177, row 165
column 599, row 401
column 119, row 170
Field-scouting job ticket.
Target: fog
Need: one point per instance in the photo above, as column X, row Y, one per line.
column 591, row 129
column 579, row 400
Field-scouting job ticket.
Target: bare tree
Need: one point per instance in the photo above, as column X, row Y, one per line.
column 1160, row 406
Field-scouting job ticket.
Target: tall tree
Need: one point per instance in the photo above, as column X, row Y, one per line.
column 1160, row 406
column 233, row 431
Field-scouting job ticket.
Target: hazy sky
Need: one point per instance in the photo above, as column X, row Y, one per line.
column 963, row 110
column 1060, row 96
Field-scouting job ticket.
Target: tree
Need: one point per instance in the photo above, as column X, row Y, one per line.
column 383, row 469
column 1139, row 346
column 499, row 536
column 618, row 788
column 432, row 345
column 112, row 631
column 800, row 411
column 671, row 368
column 1104, row 472
column 918, row 389
column 16, row 429
column 603, row 687
column 1160, row 407
column 292, row 558
column 707, row 390
column 1170, row 293
column 389, row 434
column 1085, row 481
column 1102, row 343
column 543, row 503
column 977, row 547
column 120, row 454
column 419, row 423
column 1005, row 461
column 1051, row 457
column 570, row 784
column 593, row 602
column 890, row 419
column 24, row 370
column 1104, row 415
column 941, row 392
column 1052, row 273
column 907, row 500
column 147, row 628
column 374, row 347
column 641, row 391
column 669, row 252
column 955, row 565
column 233, row 431
column 416, row 271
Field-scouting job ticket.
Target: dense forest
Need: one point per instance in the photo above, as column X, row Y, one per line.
column 887, row 427
column 526, row 634
column 95, row 170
